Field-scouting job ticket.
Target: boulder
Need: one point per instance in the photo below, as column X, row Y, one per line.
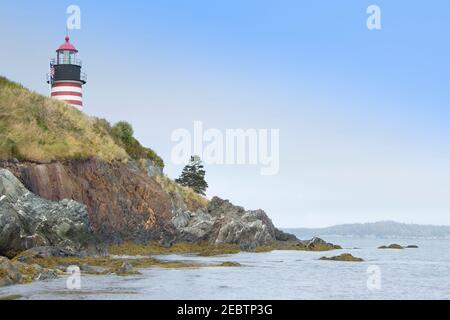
column 391, row 246
column 45, row 252
column 91, row 269
column 318, row 244
column 27, row 221
column 126, row 269
column 346, row 257
column 9, row 274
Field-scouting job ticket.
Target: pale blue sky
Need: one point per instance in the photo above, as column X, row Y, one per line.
column 363, row 115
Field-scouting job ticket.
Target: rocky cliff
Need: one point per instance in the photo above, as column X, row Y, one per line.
column 27, row 220
column 123, row 202
column 222, row 222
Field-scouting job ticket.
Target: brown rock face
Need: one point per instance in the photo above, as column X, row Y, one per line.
column 123, row 204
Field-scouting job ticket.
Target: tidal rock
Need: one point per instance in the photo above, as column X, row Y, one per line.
column 318, row 244
column 412, row 247
column 45, row 252
column 346, row 257
column 92, row 269
column 27, row 221
column 9, row 274
column 47, row 275
column 126, row 269
column 391, row 246
column 230, row 264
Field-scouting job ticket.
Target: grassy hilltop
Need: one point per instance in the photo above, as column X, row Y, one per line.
column 37, row 128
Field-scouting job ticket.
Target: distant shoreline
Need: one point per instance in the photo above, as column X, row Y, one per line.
column 382, row 229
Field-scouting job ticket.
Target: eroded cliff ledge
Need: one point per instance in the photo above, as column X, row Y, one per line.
column 123, row 202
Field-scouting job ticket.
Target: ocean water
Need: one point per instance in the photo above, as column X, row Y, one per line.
column 422, row 273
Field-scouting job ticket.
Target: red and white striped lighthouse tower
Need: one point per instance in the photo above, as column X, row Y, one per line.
column 65, row 77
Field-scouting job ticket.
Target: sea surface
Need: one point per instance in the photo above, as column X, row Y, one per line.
column 422, row 273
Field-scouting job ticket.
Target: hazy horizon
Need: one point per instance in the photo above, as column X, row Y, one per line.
column 370, row 222
column 363, row 115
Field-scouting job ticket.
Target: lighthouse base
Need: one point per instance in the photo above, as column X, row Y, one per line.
column 70, row 92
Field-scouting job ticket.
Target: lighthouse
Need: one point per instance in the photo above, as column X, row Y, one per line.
column 65, row 78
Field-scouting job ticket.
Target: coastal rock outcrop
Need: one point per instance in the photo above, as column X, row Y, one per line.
column 27, row 221
column 392, row 246
column 9, row 274
column 16, row 272
column 398, row 246
column 345, row 257
column 123, row 202
column 46, row 252
column 318, row 244
column 222, row 222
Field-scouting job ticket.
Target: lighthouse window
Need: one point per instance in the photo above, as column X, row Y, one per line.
column 66, row 57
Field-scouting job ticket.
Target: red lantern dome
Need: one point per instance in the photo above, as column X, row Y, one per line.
column 67, row 46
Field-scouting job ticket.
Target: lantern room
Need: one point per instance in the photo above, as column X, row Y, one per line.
column 66, row 53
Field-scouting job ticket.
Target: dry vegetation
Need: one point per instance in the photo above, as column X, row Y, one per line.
column 293, row 247
column 109, row 263
column 199, row 248
column 193, row 200
column 36, row 128
column 203, row 249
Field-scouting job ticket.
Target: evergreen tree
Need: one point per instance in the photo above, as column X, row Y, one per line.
column 193, row 176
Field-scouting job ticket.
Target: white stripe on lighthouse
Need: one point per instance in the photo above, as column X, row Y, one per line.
column 67, row 88
column 68, row 91
column 68, row 97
